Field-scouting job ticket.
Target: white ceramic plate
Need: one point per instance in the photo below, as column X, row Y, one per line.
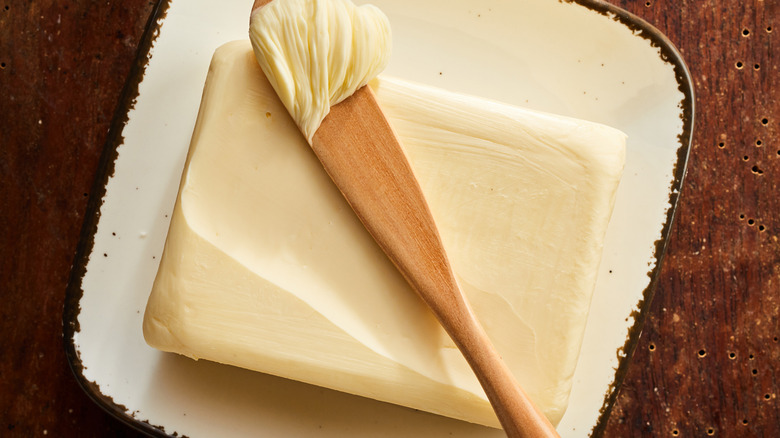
column 588, row 60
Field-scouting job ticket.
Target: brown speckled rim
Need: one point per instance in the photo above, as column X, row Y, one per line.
column 74, row 292
column 669, row 54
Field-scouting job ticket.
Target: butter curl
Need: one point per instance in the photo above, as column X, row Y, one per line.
column 316, row 53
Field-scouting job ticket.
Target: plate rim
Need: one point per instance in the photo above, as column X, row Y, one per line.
column 669, row 54
column 105, row 169
column 130, row 91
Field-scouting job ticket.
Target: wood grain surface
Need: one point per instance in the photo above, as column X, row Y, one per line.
column 707, row 363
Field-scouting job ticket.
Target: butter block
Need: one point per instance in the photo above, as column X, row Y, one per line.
column 265, row 266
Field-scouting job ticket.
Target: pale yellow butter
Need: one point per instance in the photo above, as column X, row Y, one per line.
column 267, row 268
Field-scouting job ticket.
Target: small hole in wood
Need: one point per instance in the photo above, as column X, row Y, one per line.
column 757, row 170
column 742, row 216
column 647, row 4
column 732, row 355
column 675, row 432
column 751, row 222
column 721, row 145
column 745, row 32
column 756, row 66
column 651, row 347
column 2, row 65
column 744, row 422
column 710, row 431
column 764, row 121
column 775, row 339
column 745, row 158
column 739, row 65
column 759, row 142
column 768, row 28
column 751, row 357
column 754, row 371
column 702, row 353
column 767, row 396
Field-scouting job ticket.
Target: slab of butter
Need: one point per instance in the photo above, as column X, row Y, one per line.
column 266, row 267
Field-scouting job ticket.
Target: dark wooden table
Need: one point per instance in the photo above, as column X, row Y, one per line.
column 707, row 363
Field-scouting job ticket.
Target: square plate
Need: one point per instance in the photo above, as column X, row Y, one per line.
column 582, row 59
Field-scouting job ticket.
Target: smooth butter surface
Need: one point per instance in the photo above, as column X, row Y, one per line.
column 266, row 267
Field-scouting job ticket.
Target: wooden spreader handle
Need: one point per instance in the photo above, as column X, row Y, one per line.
column 360, row 152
